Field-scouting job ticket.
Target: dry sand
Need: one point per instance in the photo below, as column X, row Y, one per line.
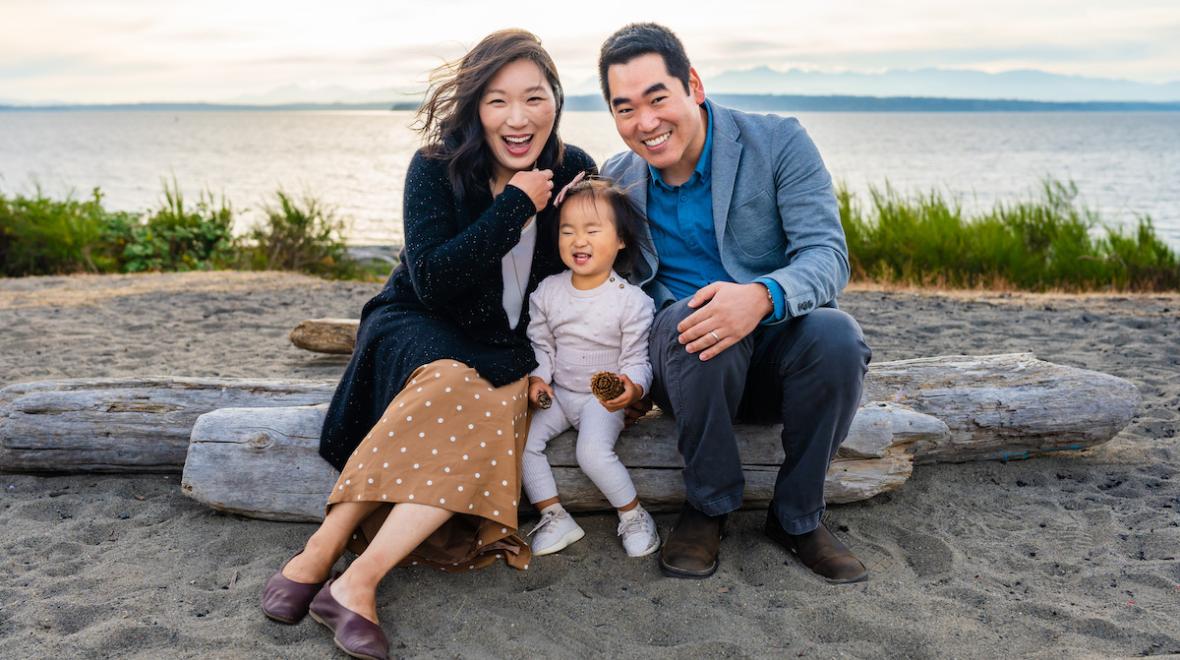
column 1070, row 556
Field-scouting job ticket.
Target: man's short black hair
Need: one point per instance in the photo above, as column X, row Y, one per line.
column 638, row 39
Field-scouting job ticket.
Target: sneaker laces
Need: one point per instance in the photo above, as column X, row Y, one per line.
column 637, row 524
column 546, row 518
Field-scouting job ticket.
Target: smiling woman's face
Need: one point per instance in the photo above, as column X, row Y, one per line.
column 517, row 111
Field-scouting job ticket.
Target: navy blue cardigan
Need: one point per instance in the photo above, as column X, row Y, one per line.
column 445, row 298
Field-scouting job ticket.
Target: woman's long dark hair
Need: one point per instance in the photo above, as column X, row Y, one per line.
column 449, row 118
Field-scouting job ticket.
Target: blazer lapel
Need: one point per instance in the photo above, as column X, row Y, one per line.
column 727, row 153
column 635, row 183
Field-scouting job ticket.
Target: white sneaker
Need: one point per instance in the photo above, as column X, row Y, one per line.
column 640, row 537
column 555, row 531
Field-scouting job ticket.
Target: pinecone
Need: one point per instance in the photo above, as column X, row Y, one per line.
column 544, row 401
column 606, row 386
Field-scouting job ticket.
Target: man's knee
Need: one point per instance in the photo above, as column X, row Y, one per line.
column 665, row 342
column 663, row 328
column 836, row 339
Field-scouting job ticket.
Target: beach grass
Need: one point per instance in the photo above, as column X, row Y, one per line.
column 1048, row 243
column 44, row 236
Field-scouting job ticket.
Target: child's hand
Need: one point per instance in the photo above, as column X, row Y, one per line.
column 537, row 388
column 631, row 394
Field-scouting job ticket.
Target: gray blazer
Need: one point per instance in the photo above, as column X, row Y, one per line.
column 774, row 211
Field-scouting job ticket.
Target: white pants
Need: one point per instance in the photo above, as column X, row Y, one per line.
column 598, row 430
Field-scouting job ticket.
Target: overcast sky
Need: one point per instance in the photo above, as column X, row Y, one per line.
column 105, row 51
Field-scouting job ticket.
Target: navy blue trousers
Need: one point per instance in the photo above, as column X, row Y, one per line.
column 805, row 373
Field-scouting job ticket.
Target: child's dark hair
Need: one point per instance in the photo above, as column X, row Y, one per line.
column 629, row 220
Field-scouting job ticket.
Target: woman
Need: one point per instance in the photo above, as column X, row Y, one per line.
column 428, row 423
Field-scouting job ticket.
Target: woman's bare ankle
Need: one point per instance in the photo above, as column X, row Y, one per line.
column 357, row 594
column 312, row 565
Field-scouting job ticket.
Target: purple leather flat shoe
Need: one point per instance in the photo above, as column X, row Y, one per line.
column 286, row 600
column 353, row 633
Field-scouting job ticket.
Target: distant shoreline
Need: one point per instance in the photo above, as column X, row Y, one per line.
column 593, row 102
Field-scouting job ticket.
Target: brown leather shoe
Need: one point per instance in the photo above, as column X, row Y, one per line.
column 285, row 600
column 820, row 551
column 353, row 633
column 692, row 547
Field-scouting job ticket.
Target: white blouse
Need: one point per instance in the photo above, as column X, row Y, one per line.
column 515, row 267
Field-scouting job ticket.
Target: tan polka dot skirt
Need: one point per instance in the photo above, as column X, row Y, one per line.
column 451, row 440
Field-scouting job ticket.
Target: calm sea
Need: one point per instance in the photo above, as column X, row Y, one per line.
column 1125, row 164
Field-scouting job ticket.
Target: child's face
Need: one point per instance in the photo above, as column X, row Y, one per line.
column 587, row 238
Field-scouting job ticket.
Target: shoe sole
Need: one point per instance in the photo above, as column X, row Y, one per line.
column 647, row 551
column 673, row 572
column 572, row 537
column 863, row 577
column 289, row 622
column 336, row 640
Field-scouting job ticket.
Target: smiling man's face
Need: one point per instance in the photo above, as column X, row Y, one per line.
column 656, row 117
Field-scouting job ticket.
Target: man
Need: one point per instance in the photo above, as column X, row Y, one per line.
column 747, row 257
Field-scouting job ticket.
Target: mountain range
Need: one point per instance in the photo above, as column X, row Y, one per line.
column 1021, row 85
column 1026, row 85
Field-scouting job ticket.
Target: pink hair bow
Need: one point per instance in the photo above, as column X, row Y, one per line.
column 561, row 195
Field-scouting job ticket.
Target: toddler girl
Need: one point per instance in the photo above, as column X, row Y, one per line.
column 582, row 321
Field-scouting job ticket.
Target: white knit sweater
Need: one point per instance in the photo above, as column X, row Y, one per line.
column 578, row 333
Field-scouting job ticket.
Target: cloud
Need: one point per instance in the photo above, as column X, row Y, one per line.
column 128, row 50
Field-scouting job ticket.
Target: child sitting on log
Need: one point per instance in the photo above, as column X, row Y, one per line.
column 589, row 328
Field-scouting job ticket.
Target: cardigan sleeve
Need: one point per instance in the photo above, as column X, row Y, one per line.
column 444, row 260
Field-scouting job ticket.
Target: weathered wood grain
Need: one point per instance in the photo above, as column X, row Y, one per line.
column 124, row 424
column 1005, row 407
column 994, row 407
column 263, row 463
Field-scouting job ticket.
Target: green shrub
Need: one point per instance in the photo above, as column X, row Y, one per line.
column 48, row 236
column 179, row 238
column 1049, row 242
column 303, row 235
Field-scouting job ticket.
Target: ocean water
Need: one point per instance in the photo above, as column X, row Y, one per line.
column 1126, row 165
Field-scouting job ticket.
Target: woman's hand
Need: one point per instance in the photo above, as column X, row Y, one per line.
column 537, row 184
column 631, row 394
column 537, row 387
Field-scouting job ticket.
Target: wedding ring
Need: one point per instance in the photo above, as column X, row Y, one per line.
column 714, row 333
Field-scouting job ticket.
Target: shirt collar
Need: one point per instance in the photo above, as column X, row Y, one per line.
column 704, row 162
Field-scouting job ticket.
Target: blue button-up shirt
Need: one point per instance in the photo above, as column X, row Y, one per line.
column 683, row 233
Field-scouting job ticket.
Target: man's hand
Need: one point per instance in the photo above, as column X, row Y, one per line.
column 729, row 313
column 631, row 394
column 537, row 387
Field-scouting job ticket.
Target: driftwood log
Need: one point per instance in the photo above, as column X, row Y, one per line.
column 326, row 335
column 937, row 409
column 263, row 462
column 1005, row 407
column 232, row 449
column 124, row 424
column 995, row 407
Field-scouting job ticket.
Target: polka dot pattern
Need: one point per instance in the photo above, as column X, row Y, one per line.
column 452, row 466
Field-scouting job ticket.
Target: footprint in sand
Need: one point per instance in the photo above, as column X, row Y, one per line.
column 925, row 554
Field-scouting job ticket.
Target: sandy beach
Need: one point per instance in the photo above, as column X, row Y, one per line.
column 1071, row 556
